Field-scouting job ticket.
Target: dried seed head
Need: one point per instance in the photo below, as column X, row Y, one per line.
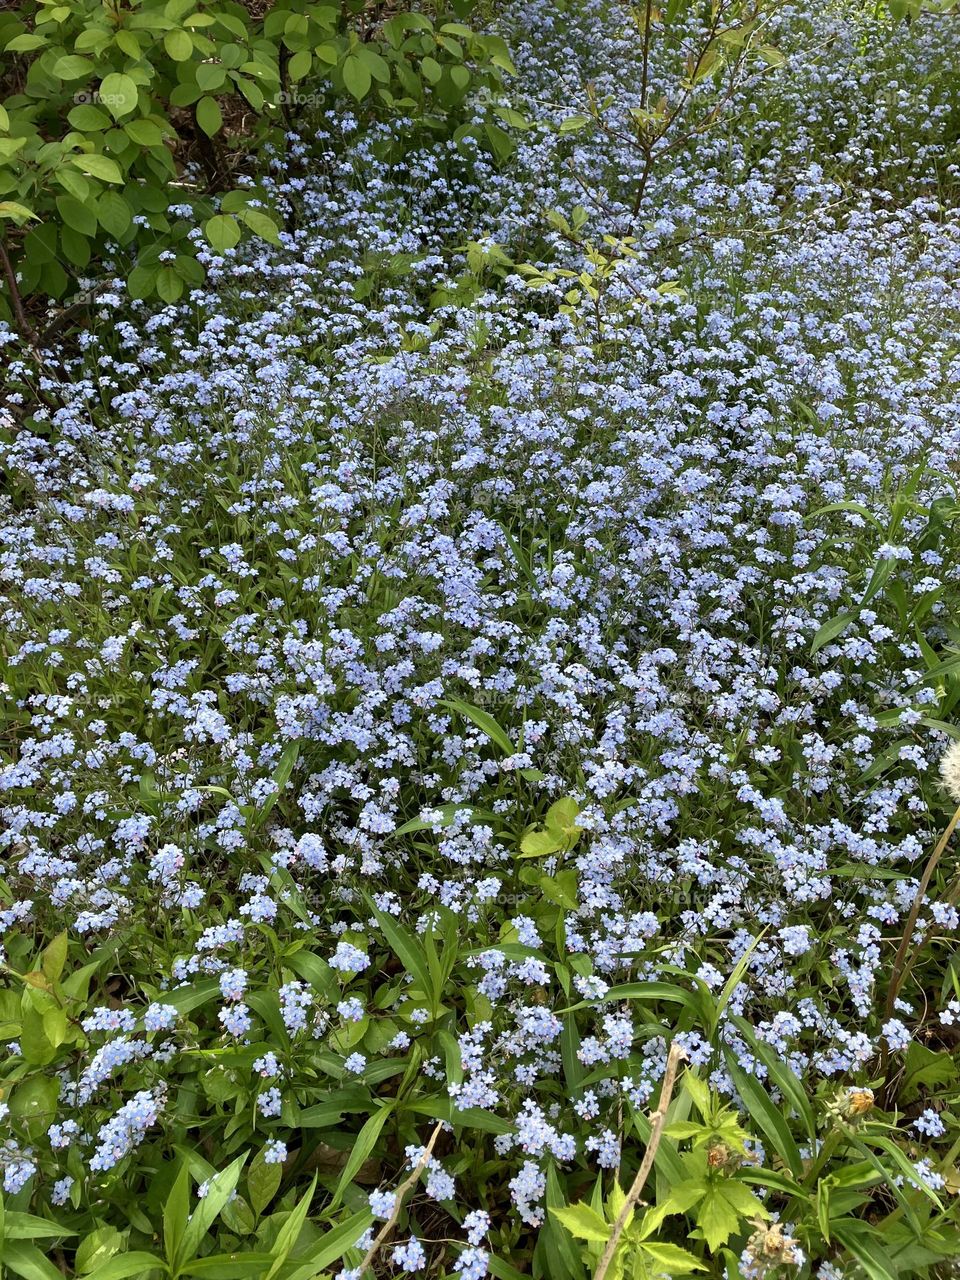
column 950, row 770
column 858, row 1102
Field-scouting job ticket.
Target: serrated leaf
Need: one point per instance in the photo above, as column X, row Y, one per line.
column 584, row 1223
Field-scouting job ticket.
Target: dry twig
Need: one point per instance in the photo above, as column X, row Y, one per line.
column 658, row 1120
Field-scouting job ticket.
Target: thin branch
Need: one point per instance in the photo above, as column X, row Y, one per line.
column 401, row 1191
column 26, row 328
column 658, row 1120
column 899, row 970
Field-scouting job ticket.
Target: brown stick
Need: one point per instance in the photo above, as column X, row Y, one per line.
column 26, row 328
column 899, row 970
column 401, row 1191
column 658, row 1120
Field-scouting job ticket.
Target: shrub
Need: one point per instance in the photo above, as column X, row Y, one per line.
column 122, row 124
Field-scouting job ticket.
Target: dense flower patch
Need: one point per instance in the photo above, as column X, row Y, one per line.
column 423, row 705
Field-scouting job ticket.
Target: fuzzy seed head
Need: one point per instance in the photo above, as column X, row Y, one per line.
column 950, row 770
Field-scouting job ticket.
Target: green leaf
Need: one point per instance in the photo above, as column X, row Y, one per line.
column 356, row 77
column 430, row 69
column 332, row 1246
column 119, row 94
column 718, row 1213
column 209, row 116
column 176, row 1210
column 169, row 284
column 141, row 282
column 80, row 217
column 831, row 629
column 25, row 43
column 300, row 64
column 26, row 1226
column 123, row 1265
column 538, row 844
column 179, row 45
column 263, row 226
column 89, row 119
column 26, row 1260
column 501, row 144
column 223, row 231
column 562, row 818
column 771, row 56
column 288, row 1234
column 98, row 1247
column 113, row 214
column 145, row 133
column 405, row 947
column 101, row 167
column 769, row 1118
column 219, row 1190
column 670, row 1259
column 782, row 1076
column 863, row 1241
column 263, row 1182
column 584, row 1223
column 573, row 124
column 362, row 1149
column 291, row 752
column 72, row 67
column 484, row 721
column 18, row 213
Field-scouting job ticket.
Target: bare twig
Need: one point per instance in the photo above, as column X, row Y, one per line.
column 26, row 328
column 658, row 1120
column 401, row 1191
column 900, row 966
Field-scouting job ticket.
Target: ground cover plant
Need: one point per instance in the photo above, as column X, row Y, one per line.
column 480, row 689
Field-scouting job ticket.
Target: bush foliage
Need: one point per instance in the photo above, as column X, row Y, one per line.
column 104, row 104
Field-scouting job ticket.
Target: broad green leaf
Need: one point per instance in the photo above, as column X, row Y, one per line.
column 179, row 45
column 209, row 116
column 223, row 231
column 119, row 94
column 101, row 167
column 18, row 213
column 145, row 133
column 264, row 227
column 670, row 1259
column 356, row 77
column 72, row 67
column 263, row 1183
column 77, row 215
column 539, row 844
column 584, row 1223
